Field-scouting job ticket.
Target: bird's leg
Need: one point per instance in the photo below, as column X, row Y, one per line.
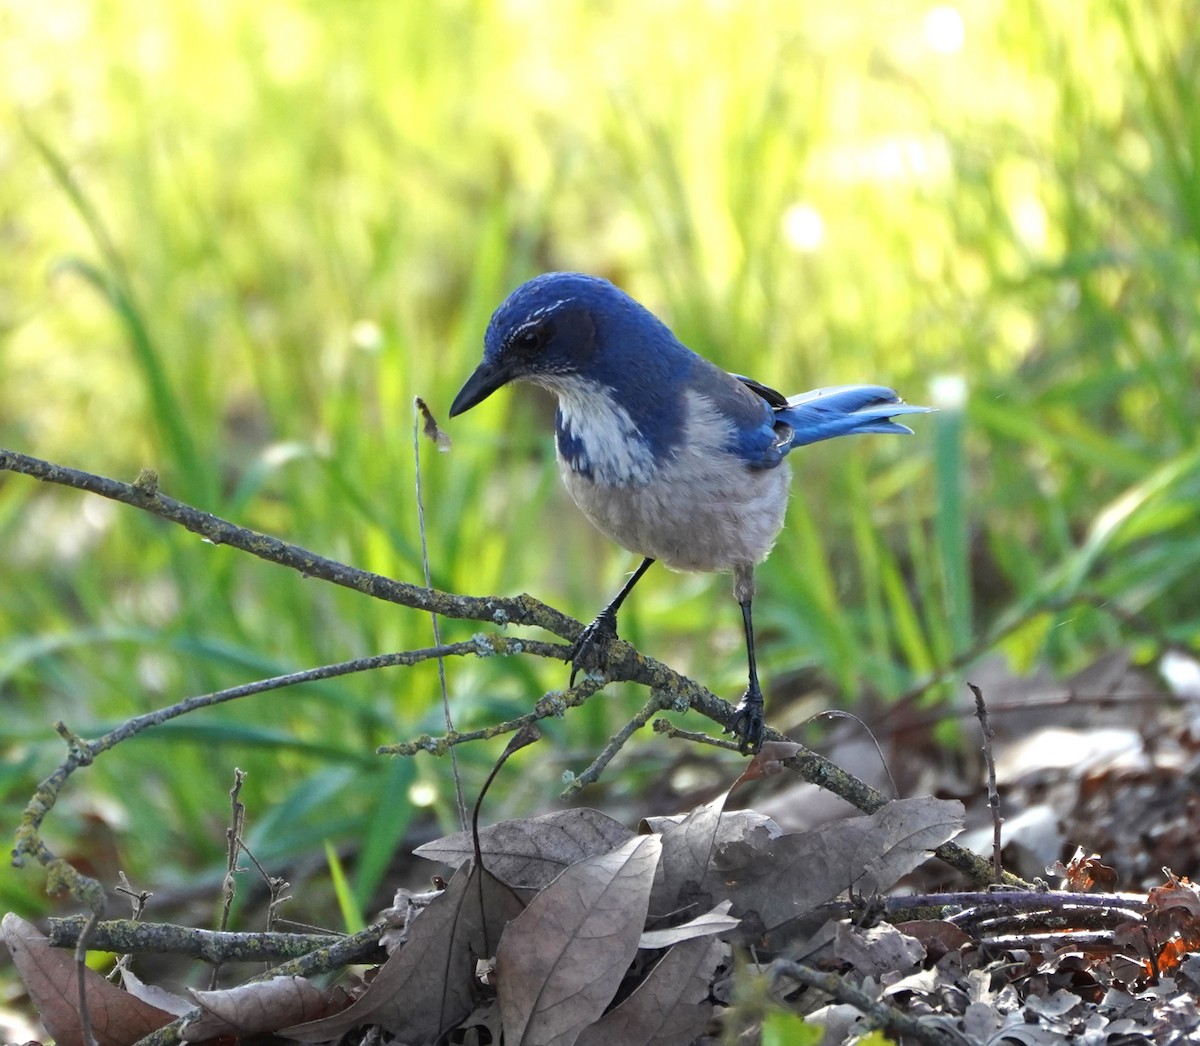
column 747, row 723
column 593, row 641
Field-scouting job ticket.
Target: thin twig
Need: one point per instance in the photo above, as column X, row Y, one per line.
column 551, row 705
column 233, row 847
column 659, row 699
column 144, row 494
column 838, row 713
column 677, row 733
column 81, row 975
column 346, row 951
column 992, row 791
column 137, row 898
column 422, row 412
column 625, row 664
column 881, row 1015
column 211, row 946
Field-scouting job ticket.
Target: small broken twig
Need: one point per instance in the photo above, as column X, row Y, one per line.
column 993, row 791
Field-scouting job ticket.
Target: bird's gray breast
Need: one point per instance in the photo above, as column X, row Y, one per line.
column 699, row 507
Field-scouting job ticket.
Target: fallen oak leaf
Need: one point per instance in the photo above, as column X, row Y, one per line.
column 51, row 976
column 905, row 832
column 686, row 852
column 529, row 852
column 717, row 921
column 771, row 759
column 154, row 995
column 428, row 985
column 688, row 845
column 260, row 1007
column 560, row 962
column 670, row 1007
column 774, row 882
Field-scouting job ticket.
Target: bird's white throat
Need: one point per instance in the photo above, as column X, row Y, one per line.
column 610, row 447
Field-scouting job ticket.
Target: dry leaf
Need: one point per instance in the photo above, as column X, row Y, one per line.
column 530, row 852
column 262, row 1006
column 686, row 853
column 153, row 994
column 428, row 985
column 50, row 975
column 877, row 950
column 682, row 879
column 769, row 760
column 561, row 961
column 670, row 1007
column 780, row 880
column 1085, row 873
column 717, row 921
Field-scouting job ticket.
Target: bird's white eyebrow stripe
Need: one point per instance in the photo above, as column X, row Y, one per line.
column 538, row 313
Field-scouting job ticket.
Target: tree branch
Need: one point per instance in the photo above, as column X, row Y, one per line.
column 880, row 1014
column 128, row 935
column 144, row 494
column 669, row 689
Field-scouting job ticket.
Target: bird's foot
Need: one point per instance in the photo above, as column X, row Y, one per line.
column 590, row 650
column 748, row 724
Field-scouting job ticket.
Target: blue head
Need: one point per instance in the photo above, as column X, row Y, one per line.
column 565, row 329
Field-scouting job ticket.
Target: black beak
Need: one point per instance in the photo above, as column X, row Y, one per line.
column 488, row 377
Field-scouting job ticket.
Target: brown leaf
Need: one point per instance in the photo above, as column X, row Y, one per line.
column 50, row 975
column 429, row 985
column 780, row 880
column 937, row 936
column 530, row 852
column 877, row 950
column 154, row 995
column 1085, row 873
column 1180, row 894
column 670, row 1007
column 686, row 852
column 260, row 1007
column 902, row 836
column 688, row 844
column 561, row 961
column 717, row 921
column 769, row 761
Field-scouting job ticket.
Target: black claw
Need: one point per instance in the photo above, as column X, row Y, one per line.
column 748, row 724
column 590, row 650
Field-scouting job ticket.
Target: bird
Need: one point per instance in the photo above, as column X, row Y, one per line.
column 666, row 454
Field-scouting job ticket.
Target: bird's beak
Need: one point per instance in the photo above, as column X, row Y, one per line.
column 488, row 377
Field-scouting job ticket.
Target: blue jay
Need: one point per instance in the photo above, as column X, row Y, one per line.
column 665, row 453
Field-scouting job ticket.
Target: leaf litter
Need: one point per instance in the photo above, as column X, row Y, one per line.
column 576, row 929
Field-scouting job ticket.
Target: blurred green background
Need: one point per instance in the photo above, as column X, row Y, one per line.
column 236, row 240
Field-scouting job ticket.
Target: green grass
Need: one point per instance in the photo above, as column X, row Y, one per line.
column 238, row 240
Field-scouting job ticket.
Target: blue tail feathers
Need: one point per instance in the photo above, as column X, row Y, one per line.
column 844, row 410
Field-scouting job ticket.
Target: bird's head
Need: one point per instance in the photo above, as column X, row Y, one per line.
column 557, row 327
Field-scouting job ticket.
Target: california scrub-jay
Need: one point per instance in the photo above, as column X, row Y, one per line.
column 664, row 452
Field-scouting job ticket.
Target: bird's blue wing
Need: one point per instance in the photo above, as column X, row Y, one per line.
column 844, row 410
column 746, row 409
column 774, row 399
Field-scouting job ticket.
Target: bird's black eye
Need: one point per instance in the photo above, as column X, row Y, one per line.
column 532, row 337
